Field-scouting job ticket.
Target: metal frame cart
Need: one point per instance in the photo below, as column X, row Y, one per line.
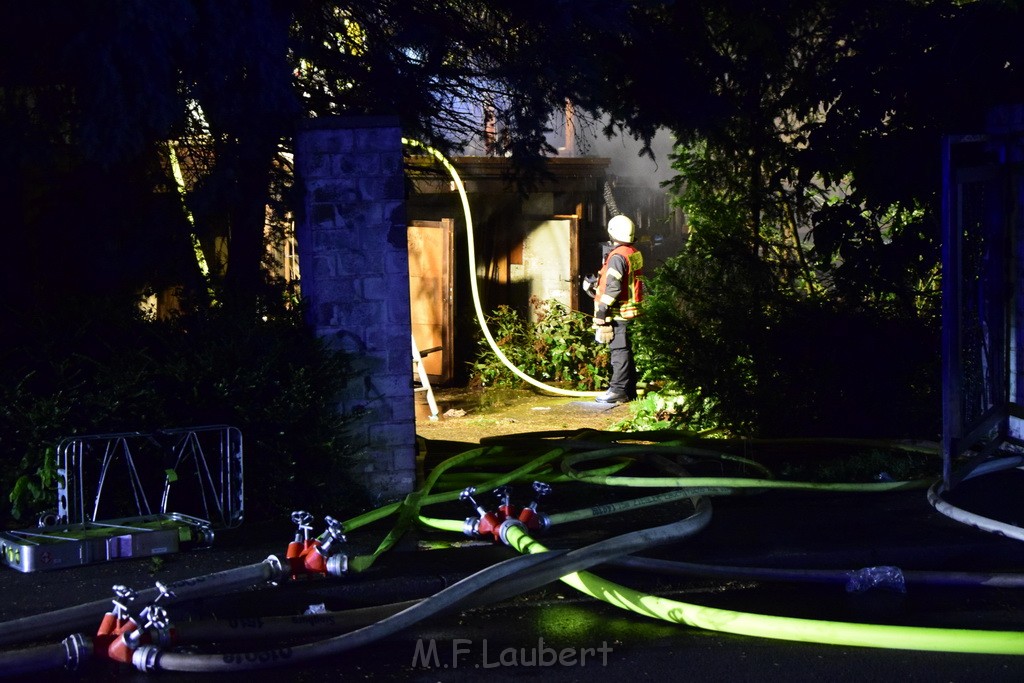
column 134, row 494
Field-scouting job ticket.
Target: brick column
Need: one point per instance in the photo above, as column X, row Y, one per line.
column 354, row 267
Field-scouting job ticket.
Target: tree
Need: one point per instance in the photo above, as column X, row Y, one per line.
column 100, row 101
column 92, row 93
column 821, row 172
column 820, row 115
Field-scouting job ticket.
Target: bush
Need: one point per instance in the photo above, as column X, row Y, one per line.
column 764, row 363
column 101, row 369
column 666, row 409
column 558, row 347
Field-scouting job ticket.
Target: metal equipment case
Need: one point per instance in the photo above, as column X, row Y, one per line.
column 147, row 493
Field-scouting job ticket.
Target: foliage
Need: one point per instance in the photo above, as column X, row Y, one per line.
column 857, row 88
column 822, row 115
column 666, row 409
column 557, row 347
column 34, row 490
column 806, row 299
column 103, row 369
column 824, row 90
column 91, row 95
column 764, row 362
column 867, row 465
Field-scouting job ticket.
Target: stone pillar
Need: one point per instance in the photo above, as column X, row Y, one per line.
column 354, row 267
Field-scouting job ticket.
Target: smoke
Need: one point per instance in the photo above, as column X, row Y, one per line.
column 628, row 164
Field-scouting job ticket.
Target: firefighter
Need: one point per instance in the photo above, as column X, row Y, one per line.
column 616, row 302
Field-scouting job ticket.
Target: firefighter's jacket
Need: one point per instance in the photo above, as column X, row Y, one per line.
column 620, row 288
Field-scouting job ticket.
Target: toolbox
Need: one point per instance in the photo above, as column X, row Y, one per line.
column 134, row 494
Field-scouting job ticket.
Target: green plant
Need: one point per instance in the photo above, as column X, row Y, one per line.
column 869, row 465
column 511, row 334
column 101, row 369
column 666, row 409
column 156, row 563
column 557, row 347
column 765, row 361
column 33, row 492
column 565, row 348
column 278, row 384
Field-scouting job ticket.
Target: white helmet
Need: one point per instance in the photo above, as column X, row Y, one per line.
column 621, row 229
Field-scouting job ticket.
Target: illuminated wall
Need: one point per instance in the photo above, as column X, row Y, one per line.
column 355, row 277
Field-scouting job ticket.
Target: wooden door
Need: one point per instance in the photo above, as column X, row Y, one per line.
column 431, row 294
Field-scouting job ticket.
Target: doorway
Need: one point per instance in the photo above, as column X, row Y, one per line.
column 431, row 295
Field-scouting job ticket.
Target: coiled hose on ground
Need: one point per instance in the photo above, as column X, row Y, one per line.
column 571, row 567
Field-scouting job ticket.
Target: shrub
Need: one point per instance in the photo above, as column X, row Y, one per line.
column 765, row 363
column 557, row 347
column 666, row 408
column 101, row 369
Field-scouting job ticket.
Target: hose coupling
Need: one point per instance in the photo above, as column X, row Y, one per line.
column 275, row 569
column 146, row 658
column 76, row 652
column 131, row 641
column 502, row 532
column 135, row 639
column 321, row 555
column 337, row 564
column 536, row 521
column 533, row 520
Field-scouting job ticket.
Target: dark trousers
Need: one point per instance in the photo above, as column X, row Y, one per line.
column 623, row 380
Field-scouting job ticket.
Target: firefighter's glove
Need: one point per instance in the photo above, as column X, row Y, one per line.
column 603, row 334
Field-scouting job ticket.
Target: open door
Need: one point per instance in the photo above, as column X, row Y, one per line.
column 431, row 294
column 547, row 260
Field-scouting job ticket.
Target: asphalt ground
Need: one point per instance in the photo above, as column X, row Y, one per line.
column 781, row 530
